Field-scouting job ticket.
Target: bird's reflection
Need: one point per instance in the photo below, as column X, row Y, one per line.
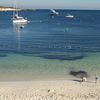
column 18, row 29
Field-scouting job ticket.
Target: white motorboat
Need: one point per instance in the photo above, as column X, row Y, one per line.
column 69, row 16
column 53, row 12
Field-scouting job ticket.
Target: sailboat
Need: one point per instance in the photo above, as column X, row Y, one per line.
column 18, row 19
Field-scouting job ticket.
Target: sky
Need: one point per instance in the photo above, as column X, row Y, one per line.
column 60, row 4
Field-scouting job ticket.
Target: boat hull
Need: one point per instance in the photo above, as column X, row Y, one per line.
column 69, row 16
column 20, row 21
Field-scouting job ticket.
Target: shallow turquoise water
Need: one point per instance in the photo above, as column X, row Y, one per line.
column 20, row 67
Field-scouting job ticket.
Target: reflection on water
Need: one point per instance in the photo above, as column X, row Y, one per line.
column 17, row 29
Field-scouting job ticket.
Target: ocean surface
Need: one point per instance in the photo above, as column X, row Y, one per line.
column 49, row 47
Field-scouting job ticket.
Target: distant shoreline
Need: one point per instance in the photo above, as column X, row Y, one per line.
column 2, row 8
column 7, row 8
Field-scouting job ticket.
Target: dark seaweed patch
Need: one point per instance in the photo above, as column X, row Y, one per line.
column 3, row 55
column 63, row 57
column 80, row 73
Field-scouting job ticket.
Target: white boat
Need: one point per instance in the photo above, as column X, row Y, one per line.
column 69, row 16
column 53, row 12
column 18, row 19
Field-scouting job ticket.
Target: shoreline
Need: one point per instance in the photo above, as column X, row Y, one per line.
column 49, row 90
column 7, row 9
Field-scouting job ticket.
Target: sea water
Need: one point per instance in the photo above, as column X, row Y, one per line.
column 49, row 47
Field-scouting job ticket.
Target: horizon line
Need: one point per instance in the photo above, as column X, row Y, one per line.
column 53, row 8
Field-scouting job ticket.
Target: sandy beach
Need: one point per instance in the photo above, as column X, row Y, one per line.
column 49, row 90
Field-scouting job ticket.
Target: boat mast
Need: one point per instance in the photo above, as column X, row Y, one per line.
column 15, row 6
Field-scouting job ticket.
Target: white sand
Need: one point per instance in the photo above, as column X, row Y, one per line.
column 49, row 90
